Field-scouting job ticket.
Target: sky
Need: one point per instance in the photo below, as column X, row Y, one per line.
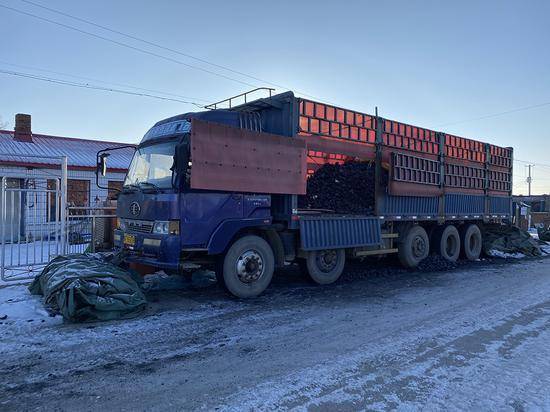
column 436, row 64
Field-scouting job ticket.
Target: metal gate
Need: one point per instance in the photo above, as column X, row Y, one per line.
column 32, row 222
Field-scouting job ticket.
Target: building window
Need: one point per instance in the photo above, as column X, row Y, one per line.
column 115, row 186
column 78, row 193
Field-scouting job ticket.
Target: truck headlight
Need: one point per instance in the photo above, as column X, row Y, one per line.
column 166, row 227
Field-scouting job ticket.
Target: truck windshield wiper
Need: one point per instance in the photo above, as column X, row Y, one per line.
column 152, row 185
column 130, row 186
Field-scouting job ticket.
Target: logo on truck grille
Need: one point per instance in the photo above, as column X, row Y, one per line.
column 135, row 208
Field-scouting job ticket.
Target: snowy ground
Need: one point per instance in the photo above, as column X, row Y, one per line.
column 473, row 338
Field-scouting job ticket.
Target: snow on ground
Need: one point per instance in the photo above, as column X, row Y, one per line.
column 534, row 233
column 504, row 255
column 475, row 338
column 21, row 310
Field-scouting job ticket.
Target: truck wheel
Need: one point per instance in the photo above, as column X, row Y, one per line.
column 414, row 246
column 470, row 235
column 325, row 266
column 447, row 243
column 248, row 267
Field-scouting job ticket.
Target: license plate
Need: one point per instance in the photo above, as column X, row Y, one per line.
column 129, row 240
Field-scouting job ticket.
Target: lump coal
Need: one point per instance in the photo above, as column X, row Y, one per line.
column 346, row 188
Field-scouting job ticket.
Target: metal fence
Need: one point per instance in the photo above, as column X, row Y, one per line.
column 32, row 219
column 32, row 226
column 89, row 228
column 25, row 252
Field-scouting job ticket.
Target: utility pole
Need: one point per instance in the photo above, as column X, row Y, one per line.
column 529, row 179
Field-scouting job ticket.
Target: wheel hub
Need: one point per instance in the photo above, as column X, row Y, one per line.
column 327, row 260
column 418, row 246
column 250, row 266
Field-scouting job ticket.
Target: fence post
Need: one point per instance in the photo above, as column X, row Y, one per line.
column 63, row 208
column 3, row 224
column 93, row 233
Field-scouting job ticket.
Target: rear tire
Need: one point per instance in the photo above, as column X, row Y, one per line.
column 447, row 243
column 472, row 241
column 414, row 246
column 325, row 266
column 248, row 267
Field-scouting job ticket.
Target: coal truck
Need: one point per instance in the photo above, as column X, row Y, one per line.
column 226, row 188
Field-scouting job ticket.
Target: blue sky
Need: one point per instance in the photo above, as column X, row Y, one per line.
column 430, row 63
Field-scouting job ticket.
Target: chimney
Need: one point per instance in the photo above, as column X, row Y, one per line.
column 23, row 132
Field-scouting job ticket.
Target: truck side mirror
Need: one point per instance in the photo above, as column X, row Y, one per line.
column 102, row 164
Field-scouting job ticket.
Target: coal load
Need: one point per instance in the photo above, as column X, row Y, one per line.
column 346, row 188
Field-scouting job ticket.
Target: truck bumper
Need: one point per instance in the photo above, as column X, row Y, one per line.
column 162, row 251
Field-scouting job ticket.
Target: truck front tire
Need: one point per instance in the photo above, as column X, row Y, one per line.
column 325, row 266
column 414, row 246
column 248, row 267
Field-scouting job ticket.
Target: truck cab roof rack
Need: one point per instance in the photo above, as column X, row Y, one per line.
column 230, row 100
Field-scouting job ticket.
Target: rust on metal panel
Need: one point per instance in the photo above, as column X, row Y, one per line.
column 232, row 159
column 412, row 189
column 417, row 189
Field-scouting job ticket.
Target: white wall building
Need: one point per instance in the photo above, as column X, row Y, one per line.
column 23, row 169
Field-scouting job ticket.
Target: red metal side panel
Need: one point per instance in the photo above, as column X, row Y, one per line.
column 232, row 159
column 335, row 134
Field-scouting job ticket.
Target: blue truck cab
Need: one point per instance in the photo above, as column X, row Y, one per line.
column 160, row 217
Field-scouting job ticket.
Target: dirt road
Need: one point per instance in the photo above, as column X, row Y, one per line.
column 471, row 338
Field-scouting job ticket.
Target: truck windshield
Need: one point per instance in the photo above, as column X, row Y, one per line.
column 151, row 165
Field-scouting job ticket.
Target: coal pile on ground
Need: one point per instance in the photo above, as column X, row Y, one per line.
column 346, row 188
column 436, row 263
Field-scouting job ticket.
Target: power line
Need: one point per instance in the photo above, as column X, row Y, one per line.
column 150, row 43
column 102, row 81
column 534, row 163
column 93, row 87
column 122, row 44
column 187, row 55
column 519, row 109
column 169, row 49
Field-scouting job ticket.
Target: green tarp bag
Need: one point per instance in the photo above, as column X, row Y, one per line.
column 509, row 239
column 87, row 287
column 544, row 234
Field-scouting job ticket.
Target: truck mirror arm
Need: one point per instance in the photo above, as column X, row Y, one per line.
column 101, row 163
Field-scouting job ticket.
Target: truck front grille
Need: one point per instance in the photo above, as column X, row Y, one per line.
column 141, row 226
